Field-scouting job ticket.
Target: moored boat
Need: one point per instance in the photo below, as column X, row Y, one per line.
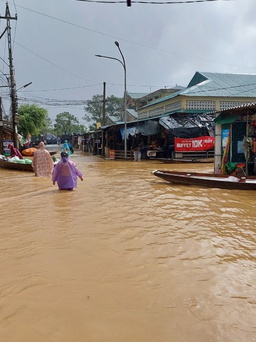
column 207, row 179
column 15, row 165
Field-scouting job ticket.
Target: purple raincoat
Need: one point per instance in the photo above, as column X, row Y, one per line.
column 65, row 173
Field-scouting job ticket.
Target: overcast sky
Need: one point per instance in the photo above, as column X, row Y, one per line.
column 55, row 43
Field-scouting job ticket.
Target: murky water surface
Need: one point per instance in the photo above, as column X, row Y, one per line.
column 125, row 257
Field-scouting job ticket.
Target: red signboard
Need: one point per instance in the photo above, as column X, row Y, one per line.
column 194, row 144
column 111, row 154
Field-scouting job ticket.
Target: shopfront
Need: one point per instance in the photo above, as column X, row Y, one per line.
column 235, row 140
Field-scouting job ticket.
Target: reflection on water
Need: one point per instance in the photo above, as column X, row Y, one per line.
column 125, row 257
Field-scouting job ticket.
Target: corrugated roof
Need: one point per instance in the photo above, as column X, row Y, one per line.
column 218, row 84
column 210, row 84
column 132, row 112
column 137, row 95
column 162, row 99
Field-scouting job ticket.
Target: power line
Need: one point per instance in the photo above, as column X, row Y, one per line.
column 55, row 102
column 66, row 88
column 55, row 65
column 152, row 2
column 59, row 102
column 126, row 40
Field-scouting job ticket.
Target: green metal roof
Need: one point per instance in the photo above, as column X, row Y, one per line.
column 137, row 95
column 209, row 84
column 132, row 112
column 188, row 111
column 230, row 115
column 221, row 85
column 224, row 119
column 163, row 99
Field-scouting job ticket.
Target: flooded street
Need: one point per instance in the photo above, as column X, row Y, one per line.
column 125, row 257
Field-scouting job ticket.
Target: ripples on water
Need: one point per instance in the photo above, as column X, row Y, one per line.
column 125, row 257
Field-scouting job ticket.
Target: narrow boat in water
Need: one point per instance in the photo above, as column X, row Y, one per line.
column 16, row 165
column 207, row 179
column 24, row 164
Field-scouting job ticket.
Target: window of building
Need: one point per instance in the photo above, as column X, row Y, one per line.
column 197, row 104
column 173, row 106
column 231, row 104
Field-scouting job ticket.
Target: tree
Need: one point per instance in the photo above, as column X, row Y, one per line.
column 66, row 123
column 32, row 120
column 94, row 109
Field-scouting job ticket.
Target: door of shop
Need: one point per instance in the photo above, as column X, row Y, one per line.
column 238, row 134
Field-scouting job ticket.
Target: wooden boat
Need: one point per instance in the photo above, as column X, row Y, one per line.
column 15, row 166
column 207, row 179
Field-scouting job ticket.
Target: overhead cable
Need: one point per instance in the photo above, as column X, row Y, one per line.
column 151, row 2
column 122, row 39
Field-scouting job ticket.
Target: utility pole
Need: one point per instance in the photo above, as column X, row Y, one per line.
column 104, row 105
column 1, row 129
column 12, row 83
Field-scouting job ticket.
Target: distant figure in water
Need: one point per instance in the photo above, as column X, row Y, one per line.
column 65, row 173
column 42, row 162
column 14, row 151
column 66, row 148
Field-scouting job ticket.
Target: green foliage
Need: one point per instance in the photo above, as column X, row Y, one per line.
column 32, row 120
column 114, row 106
column 78, row 129
column 67, row 123
column 94, row 109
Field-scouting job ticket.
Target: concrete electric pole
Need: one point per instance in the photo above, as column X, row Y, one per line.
column 12, row 84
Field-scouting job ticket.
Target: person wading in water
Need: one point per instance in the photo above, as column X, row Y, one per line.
column 65, row 173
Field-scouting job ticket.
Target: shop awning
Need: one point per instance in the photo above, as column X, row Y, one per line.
column 225, row 119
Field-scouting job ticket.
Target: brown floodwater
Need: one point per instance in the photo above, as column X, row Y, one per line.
column 125, row 257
